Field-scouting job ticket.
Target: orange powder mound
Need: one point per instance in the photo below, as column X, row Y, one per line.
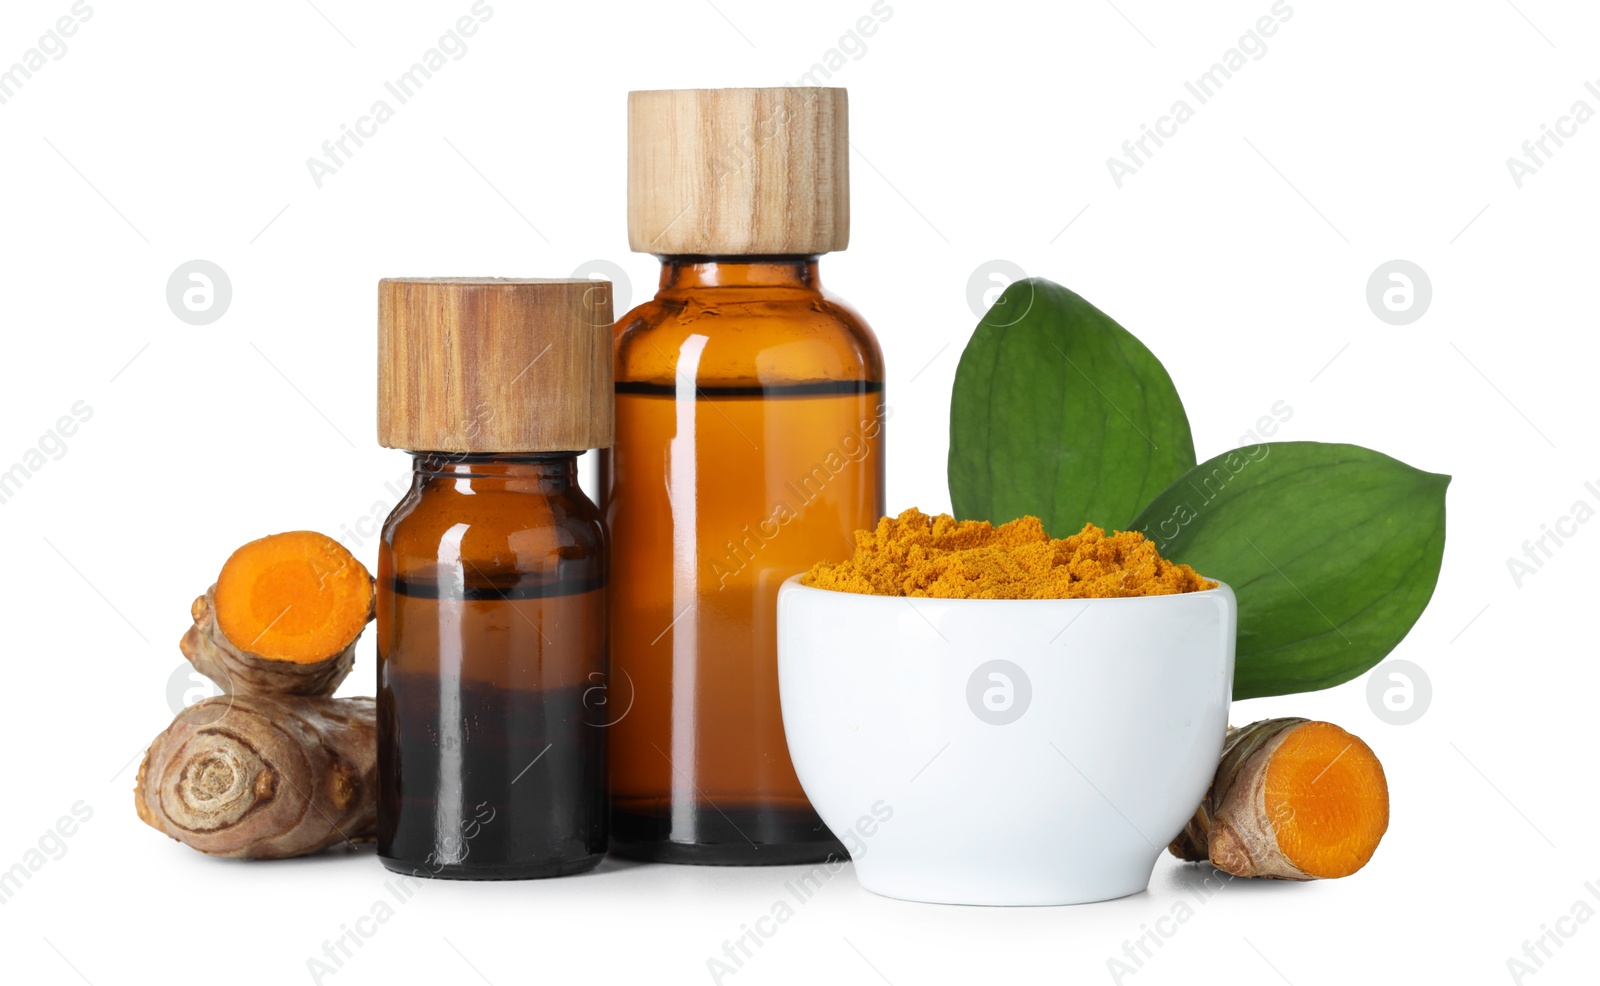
column 942, row 558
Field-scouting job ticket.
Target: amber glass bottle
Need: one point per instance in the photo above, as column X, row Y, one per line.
column 492, row 573
column 749, row 445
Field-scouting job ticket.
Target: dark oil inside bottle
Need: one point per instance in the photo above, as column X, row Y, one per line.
column 489, row 778
column 491, row 677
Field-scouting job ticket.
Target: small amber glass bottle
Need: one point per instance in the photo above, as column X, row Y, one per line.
column 492, row 575
column 750, row 417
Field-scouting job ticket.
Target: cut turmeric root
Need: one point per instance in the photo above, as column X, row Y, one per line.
column 282, row 618
column 264, row 778
column 1292, row 800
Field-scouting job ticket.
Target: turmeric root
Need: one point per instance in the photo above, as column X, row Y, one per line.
column 1292, row 800
column 270, row 778
column 283, row 617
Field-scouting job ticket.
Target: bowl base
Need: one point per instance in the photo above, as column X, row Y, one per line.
column 1029, row 891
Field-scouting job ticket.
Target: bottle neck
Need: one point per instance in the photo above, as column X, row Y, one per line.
column 680, row 273
column 545, row 473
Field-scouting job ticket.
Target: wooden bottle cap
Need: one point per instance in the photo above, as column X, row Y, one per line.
column 494, row 365
column 738, row 171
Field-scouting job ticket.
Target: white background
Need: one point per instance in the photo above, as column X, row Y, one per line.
column 1240, row 254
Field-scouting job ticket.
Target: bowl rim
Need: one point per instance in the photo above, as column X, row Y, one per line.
column 792, row 584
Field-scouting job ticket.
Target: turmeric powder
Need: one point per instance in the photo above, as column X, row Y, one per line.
column 943, row 558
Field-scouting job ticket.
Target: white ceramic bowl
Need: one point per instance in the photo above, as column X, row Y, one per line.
column 985, row 751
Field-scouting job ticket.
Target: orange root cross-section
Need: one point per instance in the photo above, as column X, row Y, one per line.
column 1293, row 800
column 282, row 618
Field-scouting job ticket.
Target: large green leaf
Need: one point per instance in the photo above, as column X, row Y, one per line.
column 1332, row 551
column 1060, row 412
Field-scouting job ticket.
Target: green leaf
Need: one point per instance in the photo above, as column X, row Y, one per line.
column 1060, row 412
column 1332, row 550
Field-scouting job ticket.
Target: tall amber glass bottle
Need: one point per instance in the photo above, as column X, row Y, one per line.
column 750, row 419
column 492, row 573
